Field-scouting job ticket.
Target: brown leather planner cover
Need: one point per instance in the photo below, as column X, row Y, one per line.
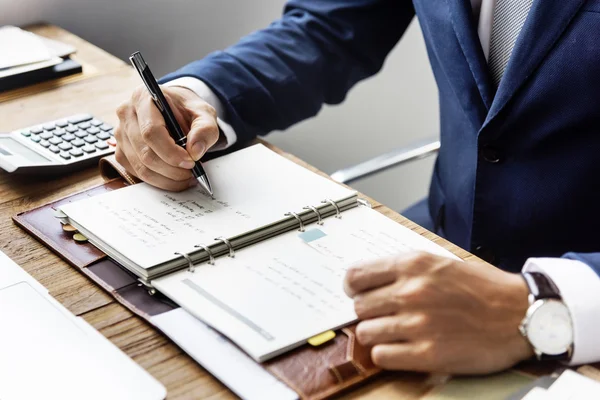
column 312, row 372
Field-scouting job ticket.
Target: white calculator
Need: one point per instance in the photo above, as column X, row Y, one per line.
column 59, row 146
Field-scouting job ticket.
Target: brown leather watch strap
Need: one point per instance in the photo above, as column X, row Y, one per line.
column 555, row 357
column 540, row 286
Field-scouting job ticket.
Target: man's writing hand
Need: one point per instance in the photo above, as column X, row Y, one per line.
column 144, row 146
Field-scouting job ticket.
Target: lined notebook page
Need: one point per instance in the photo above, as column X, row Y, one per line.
column 253, row 187
column 276, row 294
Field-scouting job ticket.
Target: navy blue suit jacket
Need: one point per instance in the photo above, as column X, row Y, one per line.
column 518, row 174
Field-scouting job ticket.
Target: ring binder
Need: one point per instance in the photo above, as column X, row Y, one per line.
column 228, row 244
column 316, row 211
column 334, row 204
column 149, row 288
column 211, row 260
column 191, row 266
column 293, row 214
column 364, row 202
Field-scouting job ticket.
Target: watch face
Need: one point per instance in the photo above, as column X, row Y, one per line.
column 550, row 329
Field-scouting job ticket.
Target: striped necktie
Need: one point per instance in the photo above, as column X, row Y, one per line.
column 509, row 18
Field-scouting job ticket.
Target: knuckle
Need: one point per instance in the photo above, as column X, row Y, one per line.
column 209, row 132
column 391, row 330
column 360, row 308
column 391, row 264
column 146, row 131
column 422, row 320
column 147, row 156
column 120, row 157
column 398, row 298
column 415, row 290
column 417, row 324
column 210, row 110
column 362, row 334
column 118, row 133
column 352, row 278
column 199, row 107
column 427, row 352
column 378, row 356
column 122, row 110
column 420, row 258
column 183, row 176
column 142, row 172
column 443, row 266
column 416, row 263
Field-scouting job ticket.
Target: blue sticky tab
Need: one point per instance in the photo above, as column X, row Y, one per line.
column 312, row 235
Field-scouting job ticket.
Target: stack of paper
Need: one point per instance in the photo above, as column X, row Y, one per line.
column 22, row 51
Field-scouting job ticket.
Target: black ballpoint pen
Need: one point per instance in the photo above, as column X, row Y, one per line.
column 163, row 106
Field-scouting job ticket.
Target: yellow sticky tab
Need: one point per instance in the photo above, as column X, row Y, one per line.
column 321, row 338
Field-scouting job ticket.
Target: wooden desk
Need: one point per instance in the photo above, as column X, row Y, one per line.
column 99, row 92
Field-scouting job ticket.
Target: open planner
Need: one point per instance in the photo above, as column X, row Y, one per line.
column 262, row 262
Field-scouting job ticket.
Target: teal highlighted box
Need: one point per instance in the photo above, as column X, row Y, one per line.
column 312, row 235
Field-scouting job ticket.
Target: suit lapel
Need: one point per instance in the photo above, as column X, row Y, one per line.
column 466, row 32
column 545, row 24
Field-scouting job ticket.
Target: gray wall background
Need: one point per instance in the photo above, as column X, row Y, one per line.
column 393, row 109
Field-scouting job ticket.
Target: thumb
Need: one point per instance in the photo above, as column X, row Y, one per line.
column 203, row 134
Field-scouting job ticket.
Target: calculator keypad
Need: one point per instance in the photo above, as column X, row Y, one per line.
column 74, row 137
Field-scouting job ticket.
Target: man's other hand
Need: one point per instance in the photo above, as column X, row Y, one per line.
column 422, row 312
column 144, row 146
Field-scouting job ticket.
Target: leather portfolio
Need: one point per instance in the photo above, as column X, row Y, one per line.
column 313, row 372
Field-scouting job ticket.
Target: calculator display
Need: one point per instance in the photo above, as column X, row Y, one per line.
column 9, row 147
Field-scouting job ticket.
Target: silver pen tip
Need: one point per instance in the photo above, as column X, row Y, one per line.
column 205, row 184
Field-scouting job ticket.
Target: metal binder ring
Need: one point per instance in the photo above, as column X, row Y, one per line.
column 337, row 209
column 228, row 244
column 191, row 266
column 363, row 202
column 293, row 214
column 316, row 211
column 211, row 258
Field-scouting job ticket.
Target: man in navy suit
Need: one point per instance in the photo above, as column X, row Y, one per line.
column 517, row 180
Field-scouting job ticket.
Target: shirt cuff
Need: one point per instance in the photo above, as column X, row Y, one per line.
column 579, row 288
column 204, row 92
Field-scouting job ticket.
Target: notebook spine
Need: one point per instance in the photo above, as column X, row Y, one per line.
column 303, row 218
column 321, row 212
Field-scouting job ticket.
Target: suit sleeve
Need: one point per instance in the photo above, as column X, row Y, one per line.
column 591, row 259
column 577, row 277
column 313, row 55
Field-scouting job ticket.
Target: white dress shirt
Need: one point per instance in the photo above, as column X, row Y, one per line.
column 578, row 283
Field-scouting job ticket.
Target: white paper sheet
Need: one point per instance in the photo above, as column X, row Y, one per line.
column 221, row 358
column 538, row 393
column 573, row 386
column 19, row 47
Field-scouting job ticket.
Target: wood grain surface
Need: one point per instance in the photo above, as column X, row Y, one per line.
column 107, row 82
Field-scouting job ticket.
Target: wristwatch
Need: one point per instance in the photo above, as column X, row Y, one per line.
column 547, row 324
